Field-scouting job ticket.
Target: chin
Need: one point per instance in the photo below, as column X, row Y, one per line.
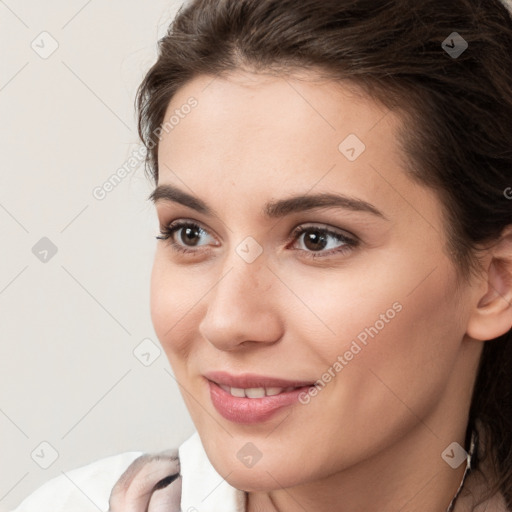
column 249, row 481
column 267, row 475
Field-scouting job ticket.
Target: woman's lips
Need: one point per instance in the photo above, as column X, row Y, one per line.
column 251, row 410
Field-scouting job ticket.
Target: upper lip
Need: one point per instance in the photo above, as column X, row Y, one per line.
column 251, row 380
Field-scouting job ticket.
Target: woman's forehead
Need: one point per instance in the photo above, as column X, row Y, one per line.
column 281, row 124
column 282, row 137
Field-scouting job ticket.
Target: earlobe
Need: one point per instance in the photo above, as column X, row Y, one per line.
column 492, row 315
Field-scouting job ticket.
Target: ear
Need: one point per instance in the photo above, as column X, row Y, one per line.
column 492, row 315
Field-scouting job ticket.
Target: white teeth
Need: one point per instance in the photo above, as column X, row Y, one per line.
column 255, row 392
column 273, row 391
column 237, row 392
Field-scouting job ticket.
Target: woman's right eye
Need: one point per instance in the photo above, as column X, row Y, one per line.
column 185, row 232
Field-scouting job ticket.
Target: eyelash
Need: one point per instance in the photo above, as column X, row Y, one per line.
column 167, row 232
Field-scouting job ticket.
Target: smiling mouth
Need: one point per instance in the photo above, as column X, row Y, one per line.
column 253, row 405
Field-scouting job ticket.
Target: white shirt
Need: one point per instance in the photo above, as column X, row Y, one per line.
column 87, row 488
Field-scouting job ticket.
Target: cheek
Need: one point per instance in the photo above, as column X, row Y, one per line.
column 400, row 321
column 174, row 300
column 407, row 363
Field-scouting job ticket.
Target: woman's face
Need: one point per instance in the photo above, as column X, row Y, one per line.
column 364, row 301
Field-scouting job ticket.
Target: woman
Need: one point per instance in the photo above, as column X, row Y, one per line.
column 332, row 283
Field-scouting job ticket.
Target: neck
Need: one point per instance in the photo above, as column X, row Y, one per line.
column 409, row 475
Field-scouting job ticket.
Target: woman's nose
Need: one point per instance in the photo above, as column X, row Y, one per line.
column 243, row 306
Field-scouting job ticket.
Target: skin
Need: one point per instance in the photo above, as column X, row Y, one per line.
column 372, row 438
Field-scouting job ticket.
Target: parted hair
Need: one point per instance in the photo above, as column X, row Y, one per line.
column 457, row 117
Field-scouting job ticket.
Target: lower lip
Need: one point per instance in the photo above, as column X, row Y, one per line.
column 251, row 410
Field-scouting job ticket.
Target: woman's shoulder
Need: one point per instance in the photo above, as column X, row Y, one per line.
column 83, row 489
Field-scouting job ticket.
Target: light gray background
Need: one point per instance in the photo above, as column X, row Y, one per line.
column 69, row 326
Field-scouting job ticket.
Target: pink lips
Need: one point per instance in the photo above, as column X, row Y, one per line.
column 251, row 410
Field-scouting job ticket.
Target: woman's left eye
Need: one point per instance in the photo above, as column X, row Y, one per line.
column 317, row 242
column 318, row 239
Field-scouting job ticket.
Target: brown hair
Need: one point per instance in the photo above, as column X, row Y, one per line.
column 457, row 111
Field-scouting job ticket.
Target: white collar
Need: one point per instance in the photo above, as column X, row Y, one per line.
column 202, row 487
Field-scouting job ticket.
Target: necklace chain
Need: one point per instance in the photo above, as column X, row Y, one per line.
column 466, row 471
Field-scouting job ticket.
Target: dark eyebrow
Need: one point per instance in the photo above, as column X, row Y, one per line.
column 273, row 209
